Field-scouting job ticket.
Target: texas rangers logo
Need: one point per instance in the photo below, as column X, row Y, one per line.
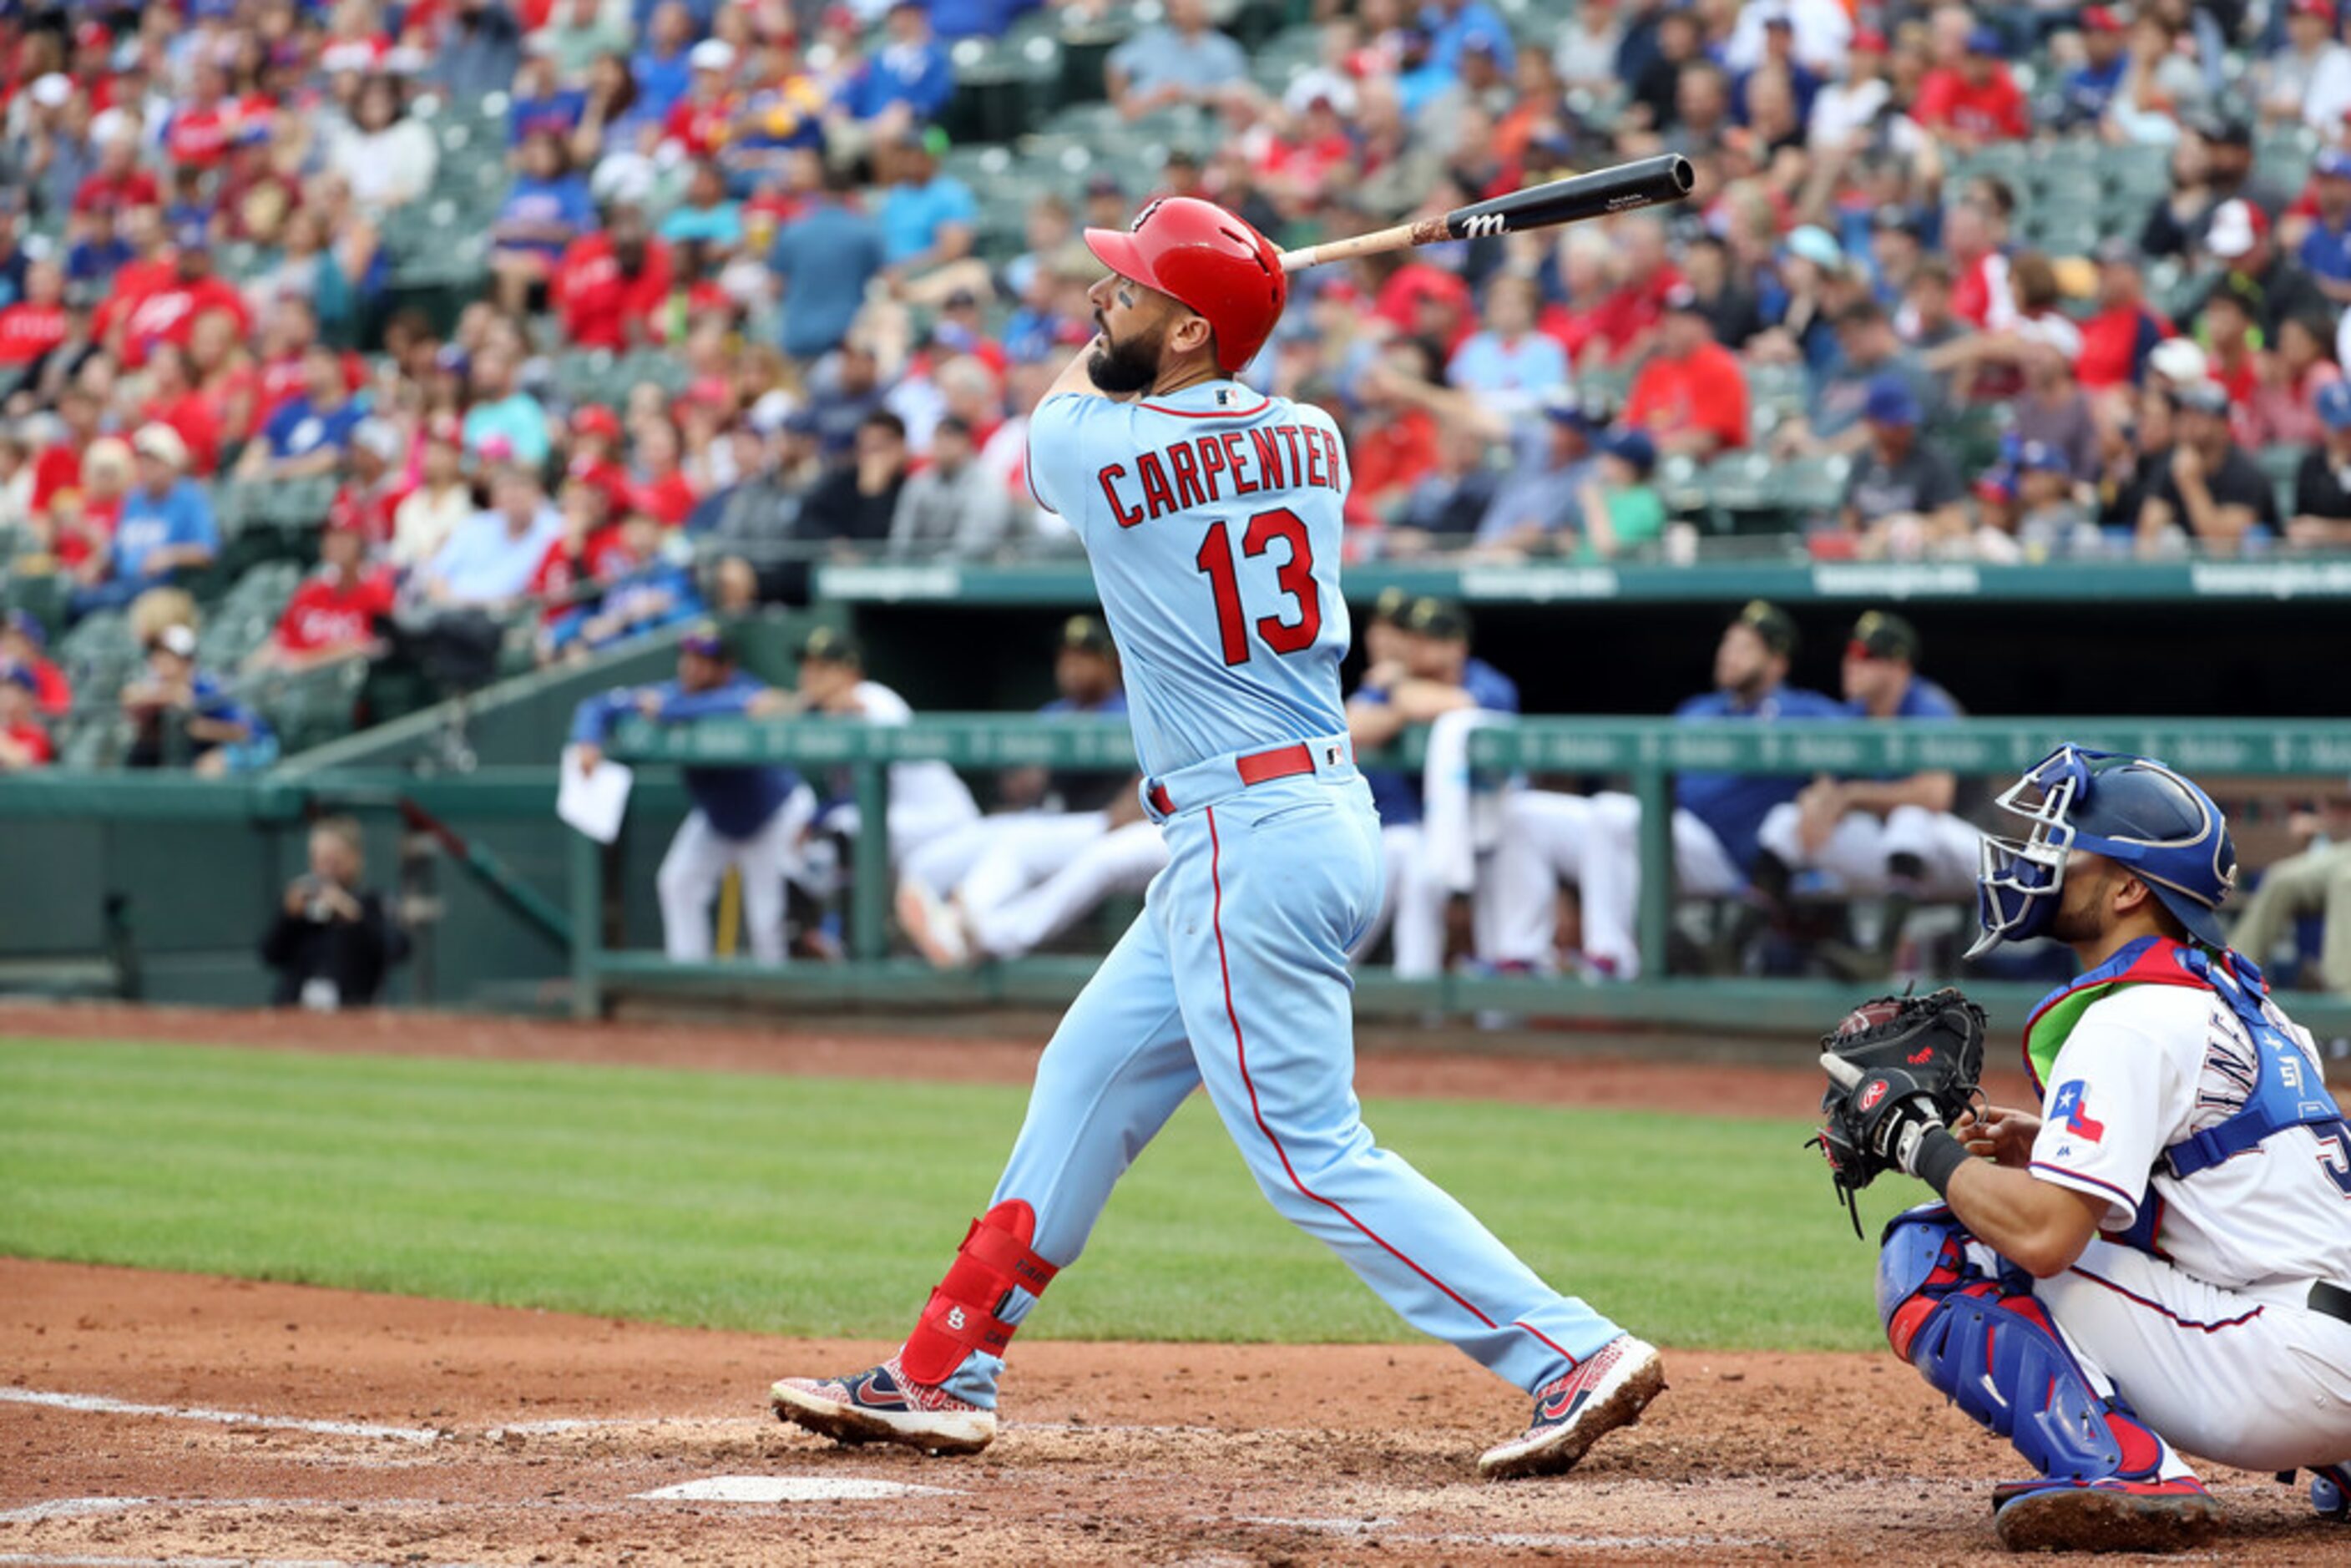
column 2072, row 1107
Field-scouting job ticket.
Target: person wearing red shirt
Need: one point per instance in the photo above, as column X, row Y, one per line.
column 1393, row 446
column 1976, row 101
column 2119, row 336
column 333, row 614
column 595, row 458
column 662, row 487
column 1973, row 232
column 168, row 314
column 118, row 183
column 203, row 127
column 610, row 283
column 37, row 323
column 589, row 551
column 1691, row 395
column 700, row 121
column 284, row 374
column 364, row 502
column 23, row 643
column 24, row 744
column 173, row 398
column 59, row 467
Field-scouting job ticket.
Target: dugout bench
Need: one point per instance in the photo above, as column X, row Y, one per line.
column 1646, row 754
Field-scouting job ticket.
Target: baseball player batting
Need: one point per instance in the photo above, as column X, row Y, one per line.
column 2155, row 1261
column 1212, row 515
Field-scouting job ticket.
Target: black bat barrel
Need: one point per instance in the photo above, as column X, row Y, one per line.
column 1648, row 182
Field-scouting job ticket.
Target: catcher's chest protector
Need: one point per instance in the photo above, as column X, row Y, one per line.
column 2286, row 1090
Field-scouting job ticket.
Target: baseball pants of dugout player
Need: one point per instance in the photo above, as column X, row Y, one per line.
column 1234, row 977
column 698, row 861
column 1859, row 847
column 2072, row 1369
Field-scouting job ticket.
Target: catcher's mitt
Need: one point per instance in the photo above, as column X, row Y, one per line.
column 1898, row 1067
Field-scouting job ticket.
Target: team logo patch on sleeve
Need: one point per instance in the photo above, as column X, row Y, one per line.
column 2071, row 1106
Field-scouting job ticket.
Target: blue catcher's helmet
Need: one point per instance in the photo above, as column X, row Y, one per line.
column 2132, row 810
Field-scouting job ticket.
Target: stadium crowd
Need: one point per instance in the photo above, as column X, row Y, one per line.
column 521, row 328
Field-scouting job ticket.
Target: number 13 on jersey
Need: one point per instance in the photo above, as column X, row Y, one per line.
column 1296, row 627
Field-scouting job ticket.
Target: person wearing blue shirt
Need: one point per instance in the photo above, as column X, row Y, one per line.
column 660, row 69
column 751, row 820
column 822, row 262
column 1510, row 364
column 309, row 435
column 654, row 593
column 1451, row 24
column 928, row 218
column 178, row 713
column 912, row 69
column 1420, row 669
column 2325, row 252
column 1716, row 815
column 166, row 527
column 953, row 19
column 546, row 208
column 489, row 560
column 2090, row 87
column 1894, row 837
column 1539, row 501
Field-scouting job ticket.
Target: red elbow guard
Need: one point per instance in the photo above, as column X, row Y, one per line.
column 961, row 1317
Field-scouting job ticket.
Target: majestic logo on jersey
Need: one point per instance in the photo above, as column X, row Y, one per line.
column 2072, row 1107
column 1484, row 226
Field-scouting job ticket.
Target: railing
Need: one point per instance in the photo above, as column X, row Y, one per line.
column 1646, row 752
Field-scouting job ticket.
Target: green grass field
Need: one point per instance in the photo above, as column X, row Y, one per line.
column 810, row 1205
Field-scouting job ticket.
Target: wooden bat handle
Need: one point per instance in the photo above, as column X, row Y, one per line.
column 1403, row 237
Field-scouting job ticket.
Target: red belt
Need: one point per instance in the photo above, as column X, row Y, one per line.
column 1257, row 768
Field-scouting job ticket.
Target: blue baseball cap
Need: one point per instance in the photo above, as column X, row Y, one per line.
column 1562, row 406
column 2332, row 164
column 1633, row 446
column 16, row 675
column 2040, row 457
column 23, row 622
column 2334, row 405
column 1890, row 400
column 1986, row 41
column 703, row 640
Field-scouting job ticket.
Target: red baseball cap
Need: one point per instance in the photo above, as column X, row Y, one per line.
column 2315, row 8
column 2100, row 19
column 595, row 419
column 94, row 34
column 1867, row 41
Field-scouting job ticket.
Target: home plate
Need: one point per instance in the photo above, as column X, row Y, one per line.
column 788, row 1488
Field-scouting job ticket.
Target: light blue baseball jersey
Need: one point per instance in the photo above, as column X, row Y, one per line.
column 1212, row 515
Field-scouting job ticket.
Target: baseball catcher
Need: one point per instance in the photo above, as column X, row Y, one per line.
column 2157, row 1261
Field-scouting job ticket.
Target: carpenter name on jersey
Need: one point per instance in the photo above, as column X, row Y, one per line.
column 1212, row 515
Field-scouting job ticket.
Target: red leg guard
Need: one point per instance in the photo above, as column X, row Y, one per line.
column 961, row 1317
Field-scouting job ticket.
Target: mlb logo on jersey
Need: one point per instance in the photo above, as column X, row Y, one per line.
column 2071, row 1108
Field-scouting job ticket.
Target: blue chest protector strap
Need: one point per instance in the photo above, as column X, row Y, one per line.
column 2284, row 1091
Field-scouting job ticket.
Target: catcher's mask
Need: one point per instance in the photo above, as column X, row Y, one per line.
column 2135, row 811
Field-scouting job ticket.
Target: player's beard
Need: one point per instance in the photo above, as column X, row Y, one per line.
column 1129, row 367
column 2085, row 922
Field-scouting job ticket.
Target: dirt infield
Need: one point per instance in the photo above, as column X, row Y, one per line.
column 149, row 1419
column 505, row 1437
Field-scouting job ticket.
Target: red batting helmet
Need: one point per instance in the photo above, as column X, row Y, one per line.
column 1202, row 255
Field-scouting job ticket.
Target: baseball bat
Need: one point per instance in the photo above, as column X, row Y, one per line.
column 1647, row 182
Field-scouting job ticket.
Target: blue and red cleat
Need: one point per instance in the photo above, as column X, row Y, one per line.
column 1572, row 1413
column 881, row 1404
column 2330, row 1490
column 2107, row 1515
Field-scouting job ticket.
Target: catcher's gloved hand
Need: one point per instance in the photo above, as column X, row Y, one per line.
column 1899, row 1068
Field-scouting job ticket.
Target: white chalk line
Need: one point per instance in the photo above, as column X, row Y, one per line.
column 789, row 1488
column 99, row 1404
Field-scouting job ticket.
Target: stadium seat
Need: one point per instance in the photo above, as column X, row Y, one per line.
column 1813, row 488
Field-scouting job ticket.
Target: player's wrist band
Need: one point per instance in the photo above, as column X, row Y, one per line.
column 1939, row 1155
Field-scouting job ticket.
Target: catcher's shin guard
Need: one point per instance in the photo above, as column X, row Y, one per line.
column 1989, row 1346
column 966, row 1313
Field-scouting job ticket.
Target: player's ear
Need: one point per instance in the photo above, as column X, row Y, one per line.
column 1189, row 331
